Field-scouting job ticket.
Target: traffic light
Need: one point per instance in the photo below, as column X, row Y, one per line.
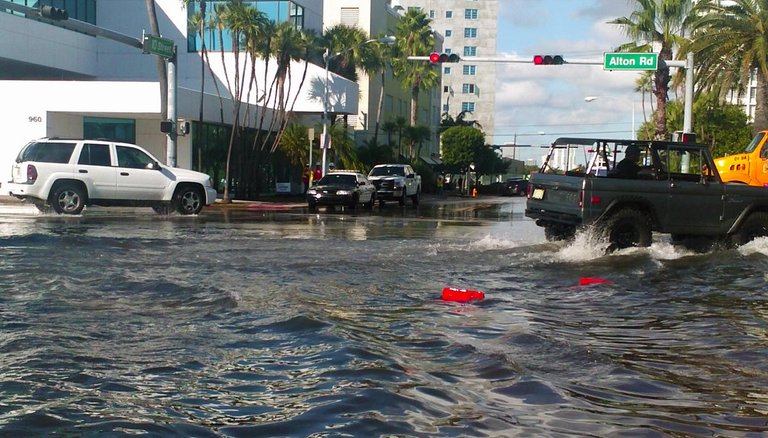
column 548, row 60
column 437, row 58
column 52, row 13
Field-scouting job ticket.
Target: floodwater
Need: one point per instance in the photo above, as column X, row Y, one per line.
column 262, row 324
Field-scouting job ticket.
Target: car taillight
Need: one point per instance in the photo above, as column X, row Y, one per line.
column 31, row 173
column 529, row 190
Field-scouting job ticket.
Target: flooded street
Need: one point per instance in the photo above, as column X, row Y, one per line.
column 259, row 323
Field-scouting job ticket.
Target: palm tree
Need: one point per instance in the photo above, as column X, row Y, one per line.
column 376, row 58
column 345, row 44
column 657, row 24
column 414, row 38
column 644, row 85
column 730, row 43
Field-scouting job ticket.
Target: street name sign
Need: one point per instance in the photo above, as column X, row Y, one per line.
column 631, row 61
column 158, row 46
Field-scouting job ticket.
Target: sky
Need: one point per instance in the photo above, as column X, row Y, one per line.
column 537, row 104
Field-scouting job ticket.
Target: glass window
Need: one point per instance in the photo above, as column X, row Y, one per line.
column 470, row 14
column 448, row 14
column 95, row 155
column 431, row 13
column 446, row 70
column 47, row 152
column 468, row 107
column 133, row 158
column 448, row 32
column 446, row 107
column 470, row 51
column 470, row 32
column 470, row 70
column 110, row 129
column 468, row 88
column 448, row 51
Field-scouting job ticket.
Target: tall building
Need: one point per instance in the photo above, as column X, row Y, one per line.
column 468, row 28
column 382, row 99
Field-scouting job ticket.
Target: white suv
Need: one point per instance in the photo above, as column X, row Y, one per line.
column 70, row 174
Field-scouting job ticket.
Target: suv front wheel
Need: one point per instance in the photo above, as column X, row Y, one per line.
column 68, row 199
column 188, row 200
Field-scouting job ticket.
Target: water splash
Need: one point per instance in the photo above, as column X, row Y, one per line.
column 757, row 246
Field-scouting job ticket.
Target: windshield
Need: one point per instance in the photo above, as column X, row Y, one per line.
column 755, row 141
column 388, row 171
column 338, row 179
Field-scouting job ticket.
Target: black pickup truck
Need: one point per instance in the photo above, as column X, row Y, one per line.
column 677, row 191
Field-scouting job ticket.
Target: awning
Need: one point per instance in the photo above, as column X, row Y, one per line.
column 432, row 161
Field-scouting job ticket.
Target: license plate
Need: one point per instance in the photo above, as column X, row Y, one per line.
column 538, row 194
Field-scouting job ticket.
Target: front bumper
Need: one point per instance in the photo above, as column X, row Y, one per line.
column 387, row 194
column 210, row 195
column 329, row 199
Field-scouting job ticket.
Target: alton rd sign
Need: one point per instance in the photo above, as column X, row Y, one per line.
column 631, row 61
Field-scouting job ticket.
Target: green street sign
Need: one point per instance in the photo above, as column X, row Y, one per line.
column 158, row 46
column 631, row 61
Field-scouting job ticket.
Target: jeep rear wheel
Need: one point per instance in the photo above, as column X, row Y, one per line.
column 628, row 228
column 756, row 225
column 188, row 200
column 554, row 232
column 68, row 199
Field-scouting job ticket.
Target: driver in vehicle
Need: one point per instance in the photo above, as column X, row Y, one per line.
column 628, row 167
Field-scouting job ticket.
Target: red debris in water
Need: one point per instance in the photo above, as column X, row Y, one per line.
column 586, row 281
column 461, row 295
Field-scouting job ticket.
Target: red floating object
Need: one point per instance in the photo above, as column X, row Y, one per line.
column 461, row 295
column 586, row 281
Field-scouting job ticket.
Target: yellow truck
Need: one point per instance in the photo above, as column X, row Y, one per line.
column 749, row 167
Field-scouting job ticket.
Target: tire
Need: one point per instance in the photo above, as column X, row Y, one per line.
column 42, row 207
column 188, row 200
column 312, row 206
column 415, row 197
column 555, row 232
column 353, row 203
column 369, row 204
column 627, row 228
column 68, row 199
column 401, row 201
column 754, row 226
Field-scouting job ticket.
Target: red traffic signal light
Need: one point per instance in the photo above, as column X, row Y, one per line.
column 436, row 58
column 548, row 60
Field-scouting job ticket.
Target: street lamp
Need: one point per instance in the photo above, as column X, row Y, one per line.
column 327, row 58
column 594, row 98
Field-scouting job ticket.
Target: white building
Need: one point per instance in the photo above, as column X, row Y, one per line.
column 59, row 82
column 469, row 29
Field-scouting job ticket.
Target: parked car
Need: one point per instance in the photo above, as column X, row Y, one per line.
column 68, row 175
column 516, row 187
column 346, row 188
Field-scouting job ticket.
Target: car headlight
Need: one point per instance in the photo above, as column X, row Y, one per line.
column 343, row 192
column 311, row 192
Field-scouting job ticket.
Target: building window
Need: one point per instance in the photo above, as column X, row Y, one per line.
column 83, row 10
column 448, row 14
column 470, row 14
column 470, row 70
column 470, row 51
column 350, row 17
column 448, row 51
column 446, row 70
column 468, row 88
column 446, row 107
column 445, row 88
column 448, row 32
column 109, row 128
column 276, row 10
column 468, row 107
column 431, row 13
column 470, row 32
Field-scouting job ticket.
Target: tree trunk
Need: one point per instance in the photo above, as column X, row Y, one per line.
column 199, row 130
column 380, row 109
column 661, row 90
column 161, row 71
column 414, row 116
column 761, row 100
